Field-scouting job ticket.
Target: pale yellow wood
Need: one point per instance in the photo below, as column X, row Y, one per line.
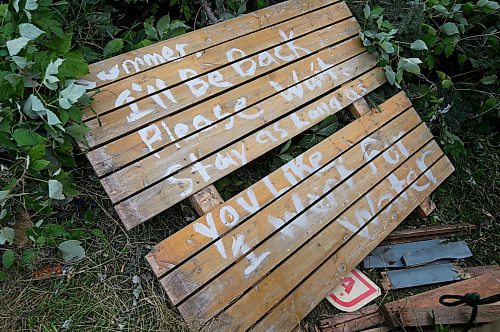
column 313, row 289
column 215, row 58
column 206, row 200
column 156, row 198
column 120, row 122
column 317, row 228
column 124, row 150
column 151, row 169
column 426, row 208
column 359, row 108
column 177, row 248
column 191, row 275
column 207, row 37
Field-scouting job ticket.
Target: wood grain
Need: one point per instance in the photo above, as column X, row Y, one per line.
column 314, row 288
column 119, row 121
column 207, row 37
column 194, row 273
column 215, row 58
column 124, row 150
column 181, row 245
column 158, row 197
column 152, row 169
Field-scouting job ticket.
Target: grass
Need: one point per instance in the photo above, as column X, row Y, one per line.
column 97, row 293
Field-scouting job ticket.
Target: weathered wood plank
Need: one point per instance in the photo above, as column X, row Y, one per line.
column 156, row 198
column 151, row 169
column 220, row 111
column 119, row 67
column 220, row 57
column 142, row 112
column 448, row 315
column 194, row 273
column 426, row 208
column 359, row 320
column 359, row 108
column 313, row 289
column 486, row 285
column 427, row 233
column 206, row 200
column 188, row 241
column 276, row 249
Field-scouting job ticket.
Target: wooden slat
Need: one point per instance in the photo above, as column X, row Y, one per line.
column 254, row 304
column 359, row 107
column 206, row 200
column 151, row 169
column 200, row 40
column 428, row 232
column 312, row 290
column 449, row 315
column 426, row 208
column 124, row 120
column 180, row 246
column 155, row 199
column 191, row 275
column 131, row 147
column 215, row 58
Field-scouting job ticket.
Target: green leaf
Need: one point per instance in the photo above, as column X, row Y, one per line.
column 28, row 257
column 39, row 165
column 112, row 47
column 7, row 235
column 50, row 80
column 441, row 9
column 163, row 25
column 492, row 5
column 33, row 107
column 487, row 80
column 8, row 258
column 150, row 31
column 418, row 45
column 21, row 62
column 388, row 47
column 447, row 84
column 366, row 11
column 31, row 5
column 26, row 137
column 70, row 95
column 72, row 250
column 390, row 74
column 55, row 189
column 30, row 31
column 74, row 65
column 450, row 28
column 37, row 152
column 14, row 46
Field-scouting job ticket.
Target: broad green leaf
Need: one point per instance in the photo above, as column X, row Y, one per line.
column 389, row 73
column 70, row 95
column 31, row 5
column 52, row 119
column 26, row 137
column 50, row 80
column 14, row 46
column 37, row 152
column 366, row 11
column 38, row 165
column 112, row 47
column 163, row 25
column 388, row 47
column 3, row 195
column 441, row 9
column 492, row 5
column 72, row 250
column 21, row 62
column 74, row 65
column 30, row 31
column 418, row 45
column 55, row 189
column 450, row 28
column 7, row 235
column 34, row 107
column 28, row 257
column 150, row 31
column 447, row 84
column 8, row 258
column 487, row 80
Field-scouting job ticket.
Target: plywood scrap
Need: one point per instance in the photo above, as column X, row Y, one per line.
column 428, row 233
column 448, row 315
column 359, row 320
column 486, row 285
column 450, row 250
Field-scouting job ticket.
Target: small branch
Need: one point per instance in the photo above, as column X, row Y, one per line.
column 211, row 16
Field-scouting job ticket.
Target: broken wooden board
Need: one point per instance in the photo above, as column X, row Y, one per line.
column 360, row 320
column 449, row 315
column 428, row 233
column 486, row 285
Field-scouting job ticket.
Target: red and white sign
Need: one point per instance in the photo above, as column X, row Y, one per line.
column 353, row 292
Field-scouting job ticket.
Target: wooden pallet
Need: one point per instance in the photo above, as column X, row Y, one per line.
column 172, row 118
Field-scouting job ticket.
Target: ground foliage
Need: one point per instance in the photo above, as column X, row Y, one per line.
column 53, row 212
